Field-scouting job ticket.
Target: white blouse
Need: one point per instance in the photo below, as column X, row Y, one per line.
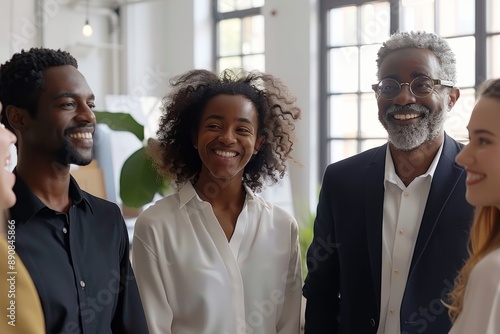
column 481, row 312
column 192, row 280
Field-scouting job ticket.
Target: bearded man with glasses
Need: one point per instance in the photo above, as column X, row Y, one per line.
column 392, row 222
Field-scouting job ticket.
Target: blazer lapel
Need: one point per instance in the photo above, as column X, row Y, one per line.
column 374, row 204
column 445, row 178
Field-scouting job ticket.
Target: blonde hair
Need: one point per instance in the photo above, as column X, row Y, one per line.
column 484, row 238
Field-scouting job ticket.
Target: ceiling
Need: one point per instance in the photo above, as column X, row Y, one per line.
column 107, row 3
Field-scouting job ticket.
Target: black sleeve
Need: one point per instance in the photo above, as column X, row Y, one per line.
column 129, row 317
column 321, row 288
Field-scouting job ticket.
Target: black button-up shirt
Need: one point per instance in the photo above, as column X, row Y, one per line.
column 79, row 263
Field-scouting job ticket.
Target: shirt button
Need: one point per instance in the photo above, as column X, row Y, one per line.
column 401, row 231
column 65, row 230
column 392, row 311
column 405, row 194
column 82, row 284
column 396, row 271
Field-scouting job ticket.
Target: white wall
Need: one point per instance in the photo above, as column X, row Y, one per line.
column 58, row 24
column 292, row 55
column 18, row 28
column 165, row 38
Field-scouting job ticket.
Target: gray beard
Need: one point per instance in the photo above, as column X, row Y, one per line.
column 409, row 137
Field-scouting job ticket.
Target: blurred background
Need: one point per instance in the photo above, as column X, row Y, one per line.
column 324, row 50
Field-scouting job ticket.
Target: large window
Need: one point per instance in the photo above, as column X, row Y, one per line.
column 352, row 32
column 239, row 34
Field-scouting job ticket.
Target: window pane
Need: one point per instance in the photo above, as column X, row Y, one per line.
column 493, row 54
column 255, row 62
column 229, row 62
column 230, row 37
column 257, row 3
column 343, row 70
column 226, row 5
column 343, row 120
column 371, row 143
column 253, row 34
column 243, row 4
column 342, row 28
column 368, row 56
column 464, row 48
column 370, row 125
column 417, row 15
column 493, row 8
column 456, row 17
column 458, row 117
column 232, row 5
column 341, row 149
column 375, row 22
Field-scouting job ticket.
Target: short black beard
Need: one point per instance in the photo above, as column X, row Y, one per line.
column 69, row 155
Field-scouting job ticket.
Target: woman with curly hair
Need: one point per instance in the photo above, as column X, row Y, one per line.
column 215, row 257
column 475, row 300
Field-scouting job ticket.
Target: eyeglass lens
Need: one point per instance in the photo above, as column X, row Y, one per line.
column 420, row 87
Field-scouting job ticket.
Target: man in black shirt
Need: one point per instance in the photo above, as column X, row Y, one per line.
column 74, row 245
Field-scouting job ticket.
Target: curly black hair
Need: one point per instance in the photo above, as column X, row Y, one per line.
column 21, row 78
column 174, row 154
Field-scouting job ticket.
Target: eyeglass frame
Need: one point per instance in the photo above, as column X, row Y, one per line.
column 435, row 82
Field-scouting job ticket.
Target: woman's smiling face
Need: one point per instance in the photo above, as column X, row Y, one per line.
column 481, row 156
column 7, row 179
column 227, row 136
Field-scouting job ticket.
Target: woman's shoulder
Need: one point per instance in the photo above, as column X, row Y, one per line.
column 170, row 209
column 278, row 214
column 160, row 215
column 487, row 270
column 269, row 205
column 482, row 298
column 159, row 207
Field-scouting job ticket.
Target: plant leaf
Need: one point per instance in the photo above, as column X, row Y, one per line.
column 306, row 233
column 139, row 181
column 120, row 121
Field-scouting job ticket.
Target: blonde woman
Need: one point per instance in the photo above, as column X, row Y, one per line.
column 475, row 301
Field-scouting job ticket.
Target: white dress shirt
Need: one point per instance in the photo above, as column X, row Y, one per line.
column 403, row 211
column 193, row 281
column 481, row 309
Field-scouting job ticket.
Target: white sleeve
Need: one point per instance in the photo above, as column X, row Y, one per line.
column 149, row 280
column 289, row 321
column 481, row 311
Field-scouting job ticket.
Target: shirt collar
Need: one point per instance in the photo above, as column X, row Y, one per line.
column 390, row 172
column 28, row 204
column 187, row 193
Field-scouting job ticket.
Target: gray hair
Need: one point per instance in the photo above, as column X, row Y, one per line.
column 421, row 40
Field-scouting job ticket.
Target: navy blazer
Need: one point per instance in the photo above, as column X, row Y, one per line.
column 345, row 258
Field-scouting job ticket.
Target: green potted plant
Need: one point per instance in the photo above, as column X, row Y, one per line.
column 306, row 232
column 139, row 181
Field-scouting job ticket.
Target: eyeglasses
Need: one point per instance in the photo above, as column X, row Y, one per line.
column 420, row 87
